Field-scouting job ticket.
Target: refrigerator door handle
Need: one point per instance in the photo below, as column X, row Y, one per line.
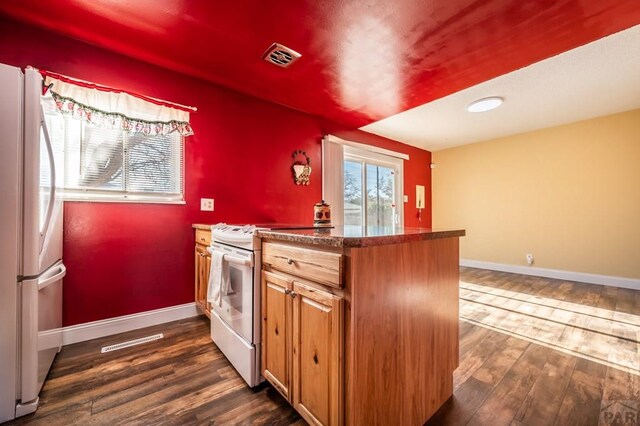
column 52, row 165
column 45, row 281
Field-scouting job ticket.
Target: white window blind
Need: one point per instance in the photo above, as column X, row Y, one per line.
column 105, row 164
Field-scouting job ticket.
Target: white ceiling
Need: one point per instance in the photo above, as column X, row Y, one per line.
column 593, row 80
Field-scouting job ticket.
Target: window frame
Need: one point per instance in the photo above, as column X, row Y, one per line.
column 123, row 196
column 364, row 156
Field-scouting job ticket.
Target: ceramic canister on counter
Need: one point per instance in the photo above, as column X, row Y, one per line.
column 322, row 214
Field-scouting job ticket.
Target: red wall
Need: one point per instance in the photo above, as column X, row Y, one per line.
column 128, row 258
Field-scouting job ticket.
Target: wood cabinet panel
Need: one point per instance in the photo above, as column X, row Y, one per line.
column 202, row 267
column 302, row 345
column 319, row 266
column 317, row 355
column 383, row 349
column 203, row 237
column 276, row 331
column 403, row 331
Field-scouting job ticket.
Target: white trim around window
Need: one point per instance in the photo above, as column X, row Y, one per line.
column 333, row 179
column 97, row 196
column 368, row 148
column 335, row 151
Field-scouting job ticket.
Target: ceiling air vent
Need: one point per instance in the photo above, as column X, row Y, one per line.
column 280, row 55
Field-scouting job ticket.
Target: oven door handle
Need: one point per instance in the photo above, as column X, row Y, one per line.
column 234, row 259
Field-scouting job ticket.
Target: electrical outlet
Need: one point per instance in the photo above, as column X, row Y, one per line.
column 406, row 198
column 206, row 204
column 529, row 259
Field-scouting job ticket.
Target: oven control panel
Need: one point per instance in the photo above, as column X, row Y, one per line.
column 235, row 235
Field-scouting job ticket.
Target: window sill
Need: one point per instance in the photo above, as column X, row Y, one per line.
column 119, row 199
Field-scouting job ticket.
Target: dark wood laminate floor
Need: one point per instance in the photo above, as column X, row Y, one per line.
column 537, row 351
column 533, row 351
column 182, row 379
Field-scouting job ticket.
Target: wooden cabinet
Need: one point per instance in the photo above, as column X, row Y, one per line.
column 202, row 267
column 360, row 334
column 318, row 266
column 276, row 331
column 317, row 355
column 302, row 346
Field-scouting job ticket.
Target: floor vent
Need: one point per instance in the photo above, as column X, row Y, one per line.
column 130, row 343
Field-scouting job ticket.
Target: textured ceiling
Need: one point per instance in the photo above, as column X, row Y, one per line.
column 597, row 79
column 362, row 60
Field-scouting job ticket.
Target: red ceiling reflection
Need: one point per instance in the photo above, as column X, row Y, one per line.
column 361, row 60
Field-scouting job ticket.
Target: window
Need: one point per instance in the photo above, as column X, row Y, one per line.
column 107, row 164
column 362, row 183
column 115, row 145
column 370, row 189
column 111, row 162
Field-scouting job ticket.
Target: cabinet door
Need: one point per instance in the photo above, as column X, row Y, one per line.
column 202, row 265
column 317, row 355
column 276, row 331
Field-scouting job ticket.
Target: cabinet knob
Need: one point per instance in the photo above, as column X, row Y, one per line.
column 201, row 238
column 294, row 294
column 290, row 261
column 287, row 291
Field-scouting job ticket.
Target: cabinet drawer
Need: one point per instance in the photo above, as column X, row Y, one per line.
column 203, row 236
column 315, row 265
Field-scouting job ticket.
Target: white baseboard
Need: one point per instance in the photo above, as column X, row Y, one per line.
column 95, row 329
column 582, row 277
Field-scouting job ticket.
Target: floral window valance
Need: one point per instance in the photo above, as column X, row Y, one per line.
column 116, row 109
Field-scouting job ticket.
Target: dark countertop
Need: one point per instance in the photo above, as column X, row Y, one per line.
column 261, row 225
column 357, row 236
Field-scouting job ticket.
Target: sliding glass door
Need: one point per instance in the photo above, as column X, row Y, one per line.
column 380, row 191
column 370, row 192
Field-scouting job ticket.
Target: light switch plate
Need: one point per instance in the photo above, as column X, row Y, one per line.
column 406, row 198
column 206, row 204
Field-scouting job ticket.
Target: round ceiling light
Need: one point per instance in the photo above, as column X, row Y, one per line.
column 485, row 104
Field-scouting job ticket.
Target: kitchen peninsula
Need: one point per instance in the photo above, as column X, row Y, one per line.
column 360, row 325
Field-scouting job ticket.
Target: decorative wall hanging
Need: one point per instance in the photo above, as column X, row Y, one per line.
column 301, row 170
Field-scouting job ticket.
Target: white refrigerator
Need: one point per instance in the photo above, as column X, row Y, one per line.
column 31, row 268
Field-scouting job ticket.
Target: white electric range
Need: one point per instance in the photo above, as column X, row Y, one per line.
column 235, row 319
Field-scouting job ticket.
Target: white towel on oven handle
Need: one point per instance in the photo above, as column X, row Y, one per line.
column 219, row 284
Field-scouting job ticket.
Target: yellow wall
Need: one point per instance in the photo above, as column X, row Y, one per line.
column 569, row 194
